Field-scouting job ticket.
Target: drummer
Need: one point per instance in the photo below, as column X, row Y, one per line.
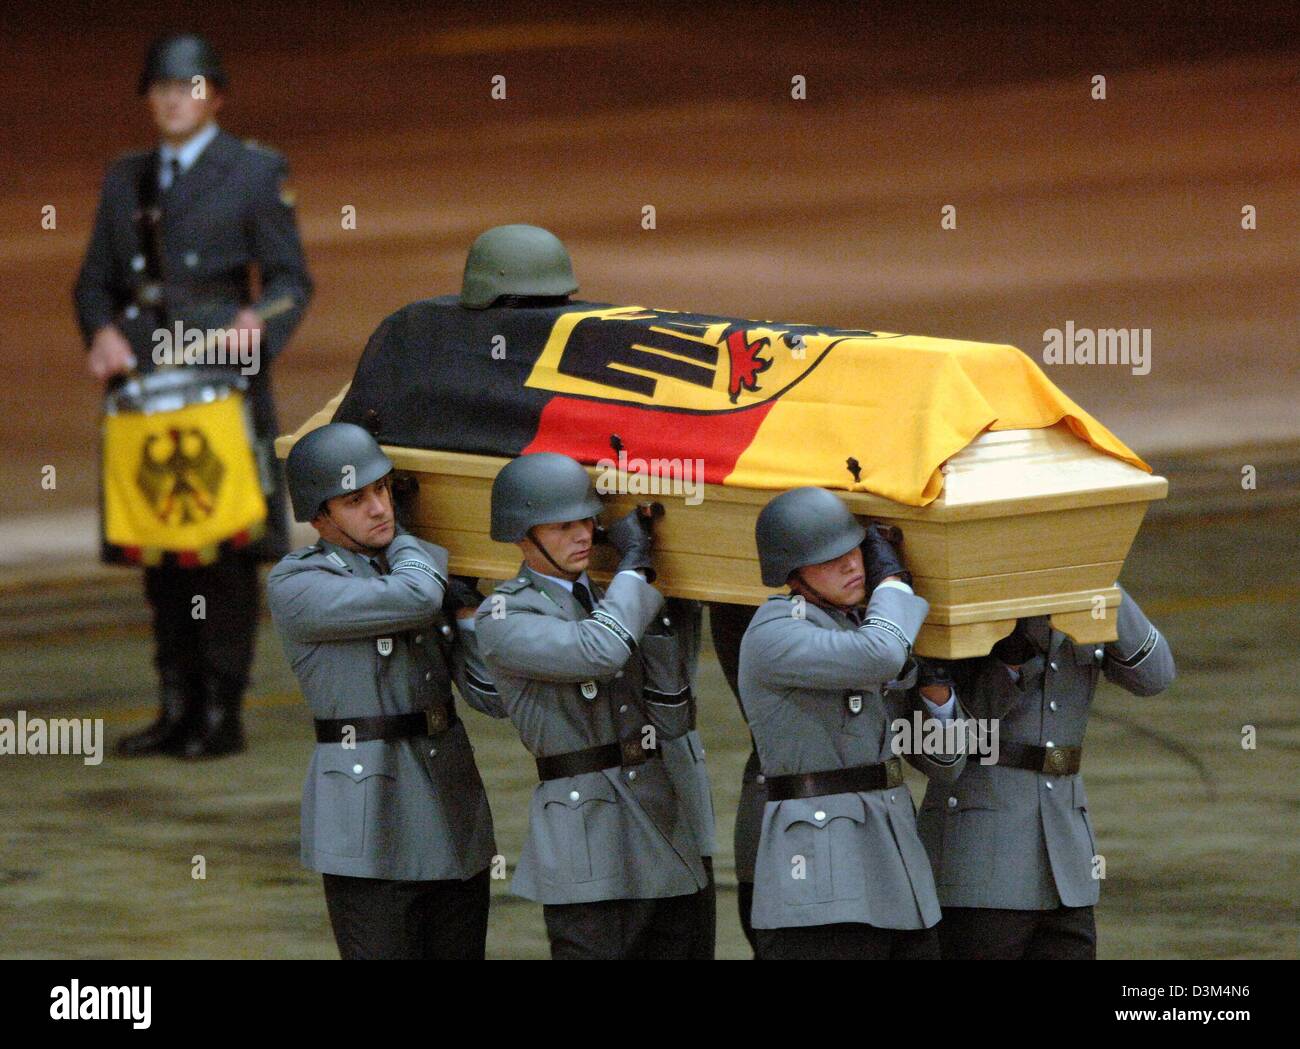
column 179, row 230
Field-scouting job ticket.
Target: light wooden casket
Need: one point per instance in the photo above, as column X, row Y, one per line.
column 1029, row 522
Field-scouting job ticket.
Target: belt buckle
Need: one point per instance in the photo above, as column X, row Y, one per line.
column 893, row 772
column 435, row 720
column 633, row 753
column 149, row 294
column 1055, row 760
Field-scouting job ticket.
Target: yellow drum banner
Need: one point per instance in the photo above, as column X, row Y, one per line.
column 180, row 484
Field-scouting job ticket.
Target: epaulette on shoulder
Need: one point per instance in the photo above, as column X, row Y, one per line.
column 303, row 552
column 261, row 147
column 513, row 586
column 780, row 597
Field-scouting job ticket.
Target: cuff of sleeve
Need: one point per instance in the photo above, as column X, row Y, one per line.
column 895, row 584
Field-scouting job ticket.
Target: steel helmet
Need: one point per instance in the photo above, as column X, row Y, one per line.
column 515, row 260
column 541, row 488
column 318, row 466
column 804, row 526
column 182, row 56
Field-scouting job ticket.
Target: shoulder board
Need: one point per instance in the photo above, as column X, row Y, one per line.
column 252, row 143
column 513, row 586
column 781, row 597
column 306, row 551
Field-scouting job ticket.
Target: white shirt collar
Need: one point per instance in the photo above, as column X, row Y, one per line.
column 188, row 152
column 567, row 583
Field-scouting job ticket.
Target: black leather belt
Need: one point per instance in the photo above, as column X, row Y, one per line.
column 1055, row 761
column 395, row 726
column 593, row 759
column 150, row 294
column 836, row 781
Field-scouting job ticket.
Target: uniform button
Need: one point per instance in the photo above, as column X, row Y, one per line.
column 358, row 769
column 191, row 259
column 623, row 709
column 137, row 263
column 761, row 778
column 1050, row 743
column 952, row 803
column 521, row 579
column 574, row 795
column 132, row 312
column 667, row 621
column 1053, row 665
column 1098, row 654
column 428, row 675
column 419, row 639
column 433, row 753
column 1051, row 705
column 618, row 673
column 446, row 630
column 631, row 774
column 819, row 815
column 1048, row 784
column 893, row 797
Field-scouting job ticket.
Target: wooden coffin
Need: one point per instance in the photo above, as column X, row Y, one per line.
column 1030, row 522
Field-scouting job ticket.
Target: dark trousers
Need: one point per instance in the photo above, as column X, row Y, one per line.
column 220, row 644
column 727, row 625
column 745, row 902
column 616, row 930
column 990, row 933
column 846, row 941
column 375, row 919
column 704, row 945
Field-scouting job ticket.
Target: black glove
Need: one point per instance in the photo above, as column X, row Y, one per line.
column 1016, row 648
column 933, row 672
column 630, row 535
column 880, row 556
column 462, row 592
column 405, row 488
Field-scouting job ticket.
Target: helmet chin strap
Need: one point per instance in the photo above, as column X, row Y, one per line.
column 818, row 597
column 546, row 553
column 364, row 546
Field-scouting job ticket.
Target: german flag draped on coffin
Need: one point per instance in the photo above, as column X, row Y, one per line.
column 766, row 405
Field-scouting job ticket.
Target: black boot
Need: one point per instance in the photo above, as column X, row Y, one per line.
column 167, row 735
column 219, row 730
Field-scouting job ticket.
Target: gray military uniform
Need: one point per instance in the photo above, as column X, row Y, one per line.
column 684, row 755
column 570, row 682
column 363, row 644
column 1013, row 838
column 859, row 852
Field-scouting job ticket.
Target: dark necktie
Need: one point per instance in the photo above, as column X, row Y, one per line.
column 174, row 171
column 584, row 597
column 381, row 563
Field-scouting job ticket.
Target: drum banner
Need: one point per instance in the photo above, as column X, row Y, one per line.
column 763, row 404
column 180, row 486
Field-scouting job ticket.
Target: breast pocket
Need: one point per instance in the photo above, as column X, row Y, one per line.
column 1089, row 657
column 579, row 838
column 819, row 839
column 348, row 782
column 969, row 844
column 855, row 712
